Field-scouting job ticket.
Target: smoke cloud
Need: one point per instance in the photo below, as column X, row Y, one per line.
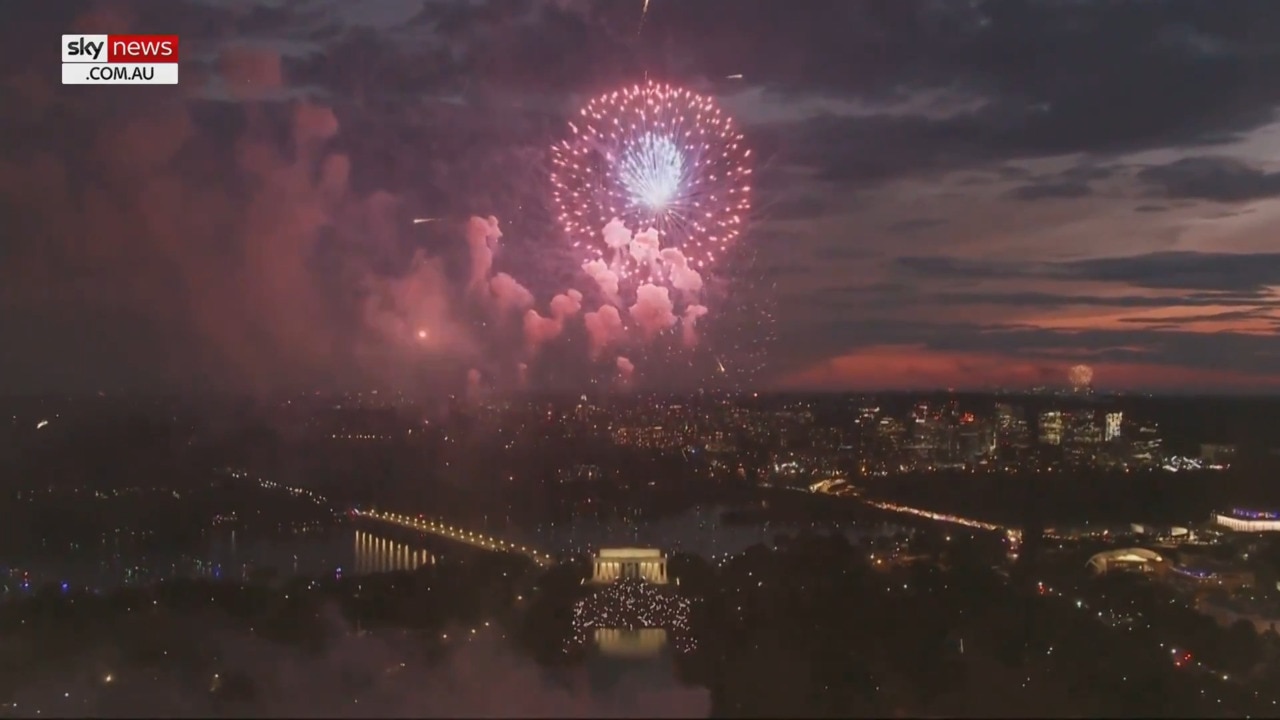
column 508, row 294
column 604, row 328
column 482, row 237
column 412, row 309
column 689, row 324
column 250, row 73
column 370, row 675
column 223, row 249
column 652, row 311
column 606, row 279
column 186, row 245
column 683, row 277
column 137, row 223
column 625, row 370
column 539, row 330
column 566, row 304
column 617, row 236
column 644, row 247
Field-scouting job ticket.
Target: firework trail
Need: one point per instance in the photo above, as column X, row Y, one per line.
column 652, row 156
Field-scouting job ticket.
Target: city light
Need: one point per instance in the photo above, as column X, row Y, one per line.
column 631, row 604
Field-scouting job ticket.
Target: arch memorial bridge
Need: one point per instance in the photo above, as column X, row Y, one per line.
column 457, row 534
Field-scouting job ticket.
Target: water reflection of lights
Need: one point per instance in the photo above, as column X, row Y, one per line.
column 632, row 605
column 469, row 537
column 377, row 555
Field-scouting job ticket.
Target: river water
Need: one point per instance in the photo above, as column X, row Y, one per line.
column 233, row 555
column 701, row 530
column 223, row 554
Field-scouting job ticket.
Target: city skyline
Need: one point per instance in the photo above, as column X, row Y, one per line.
column 967, row 195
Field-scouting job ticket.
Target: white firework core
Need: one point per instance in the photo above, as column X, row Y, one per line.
column 653, row 156
column 652, row 171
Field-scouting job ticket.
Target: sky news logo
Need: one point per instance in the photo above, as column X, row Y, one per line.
column 119, row 59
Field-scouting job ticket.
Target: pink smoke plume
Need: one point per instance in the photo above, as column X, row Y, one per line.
column 604, row 277
column 410, row 309
column 566, row 304
column 682, row 276
column 689, row 324
column 626, row 369
column 604, row 328
column 644, row 246
column 652, row 310
column 539, row 330
column 508, row 294
column 616, row 235
column 482, row 237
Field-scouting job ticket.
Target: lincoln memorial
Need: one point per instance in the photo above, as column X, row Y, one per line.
column 639, row 563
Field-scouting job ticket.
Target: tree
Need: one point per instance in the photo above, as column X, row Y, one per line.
column 1241, row 648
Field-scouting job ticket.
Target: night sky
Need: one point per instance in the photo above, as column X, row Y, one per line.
column 949, row 193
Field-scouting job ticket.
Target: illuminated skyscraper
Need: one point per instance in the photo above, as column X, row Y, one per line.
column 1114, row 419
column 1051, row 427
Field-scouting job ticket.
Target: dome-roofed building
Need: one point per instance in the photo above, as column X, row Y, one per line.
column 1139, row 560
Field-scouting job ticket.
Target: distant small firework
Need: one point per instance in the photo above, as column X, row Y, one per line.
column 419, row 221
column 653, row 156
column 1081, row 376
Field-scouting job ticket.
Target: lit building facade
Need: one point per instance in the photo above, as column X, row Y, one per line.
column 630, row 563
column 1114, row 421
column 1242, row 520
column 1051, row 427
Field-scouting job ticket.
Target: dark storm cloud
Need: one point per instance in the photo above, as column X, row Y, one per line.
column 1183, row 270
column 1042, row 191
column 1027, row 102
column 1208, row 178
column 798, row 207
column 952, row 267
column 907, row 227
column 1121, row 77
column 1205, row 318
column 1074, row 99
column 1051, row 300
column 777, row 270
column 1230, row 272
column 845, row 251
column 842, row 301
column 1074, row 182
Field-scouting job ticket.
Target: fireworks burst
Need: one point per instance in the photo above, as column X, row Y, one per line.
column 1080, row 376
column 653, row 156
